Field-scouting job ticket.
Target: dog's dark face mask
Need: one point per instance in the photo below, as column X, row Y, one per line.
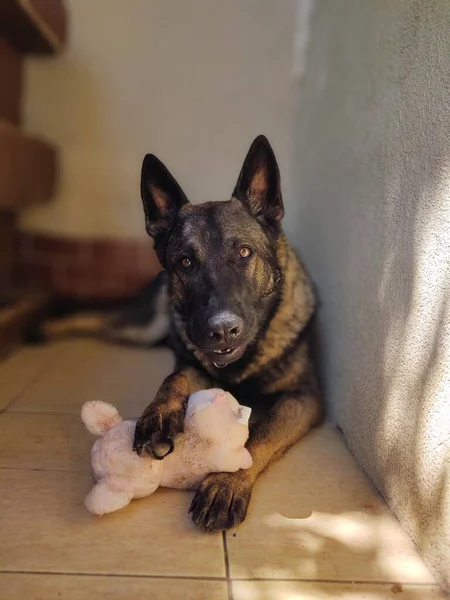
column 221, row 256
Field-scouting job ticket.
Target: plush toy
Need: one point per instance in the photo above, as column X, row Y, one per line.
column 215, row 432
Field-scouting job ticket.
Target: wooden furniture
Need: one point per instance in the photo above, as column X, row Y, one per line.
column 28, row 164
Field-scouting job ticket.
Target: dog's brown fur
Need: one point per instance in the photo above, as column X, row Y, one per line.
column 281, row 372
column 276, row 372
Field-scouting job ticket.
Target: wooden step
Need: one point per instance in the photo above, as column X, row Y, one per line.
column 16, row 316
column 8, row 249
column 34, row 26
column 11, row 68
column 28, row 168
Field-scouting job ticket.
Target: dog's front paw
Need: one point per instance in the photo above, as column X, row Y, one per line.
column 222, row 501
column 156, row 429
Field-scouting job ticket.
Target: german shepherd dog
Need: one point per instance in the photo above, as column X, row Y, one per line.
column 235, row 304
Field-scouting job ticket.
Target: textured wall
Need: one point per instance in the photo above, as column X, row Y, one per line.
column 193, row 82
column 374, row 229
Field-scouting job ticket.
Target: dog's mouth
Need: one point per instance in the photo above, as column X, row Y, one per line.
column 224, row 357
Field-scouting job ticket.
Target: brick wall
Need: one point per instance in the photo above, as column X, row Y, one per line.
column 86, row 269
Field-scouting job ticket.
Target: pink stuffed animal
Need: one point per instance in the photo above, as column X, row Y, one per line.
column 215, row 432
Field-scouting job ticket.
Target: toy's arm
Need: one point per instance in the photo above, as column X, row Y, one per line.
column 164, row 417
column 106, row 497
column 227, row 461
column 246, row 459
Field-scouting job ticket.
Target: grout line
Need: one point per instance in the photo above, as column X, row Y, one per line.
column 219, row 579
column 43, row 469
column 227, row 565
column 128, row 575
column 342, row 581
column 44, row 413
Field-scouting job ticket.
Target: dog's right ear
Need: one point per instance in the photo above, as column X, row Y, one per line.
column 161, row 196
column 258, row 184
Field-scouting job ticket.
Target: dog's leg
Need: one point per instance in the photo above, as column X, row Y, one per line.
column 142, row 321
column 82, row 325
column 223, row 498
column 163, row 419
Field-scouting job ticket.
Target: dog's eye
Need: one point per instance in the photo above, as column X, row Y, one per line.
column 245, row 252
column 186, row 263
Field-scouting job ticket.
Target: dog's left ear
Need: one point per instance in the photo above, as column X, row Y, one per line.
column 259, row 182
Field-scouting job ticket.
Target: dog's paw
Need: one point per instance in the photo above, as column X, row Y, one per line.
column 222, row 501
column 156, row 430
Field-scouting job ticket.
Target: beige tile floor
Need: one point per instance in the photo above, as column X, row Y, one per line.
column 316, row 529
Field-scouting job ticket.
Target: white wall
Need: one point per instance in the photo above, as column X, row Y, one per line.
column 373, row 172
column 191, row 81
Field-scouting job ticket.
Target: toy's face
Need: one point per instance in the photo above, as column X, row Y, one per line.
column 219, row 417
column 231, row 401
column 230, row 423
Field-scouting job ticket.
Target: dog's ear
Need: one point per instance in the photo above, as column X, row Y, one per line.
column 259, row 182
column 161, row 196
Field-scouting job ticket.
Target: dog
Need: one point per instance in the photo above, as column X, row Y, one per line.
column 235, row 304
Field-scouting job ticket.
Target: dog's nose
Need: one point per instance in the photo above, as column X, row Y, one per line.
column 225, row 327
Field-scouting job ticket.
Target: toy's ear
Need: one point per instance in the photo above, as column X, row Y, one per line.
column 247, row 460
column 99, row 417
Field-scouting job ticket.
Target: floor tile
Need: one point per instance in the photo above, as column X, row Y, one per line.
column 20, row 369
column 315, row 515
column 82, row 587
column 42, row 441
column 91, row 370
column 295, row 590
column 45, row 527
